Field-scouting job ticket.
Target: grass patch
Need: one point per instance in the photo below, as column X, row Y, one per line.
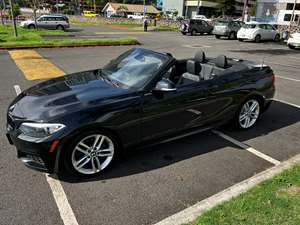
column 34, row 38
column 165, row 28
column 276, row 202
column 119, row 24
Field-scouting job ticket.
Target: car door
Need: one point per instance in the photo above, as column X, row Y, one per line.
column 41, row 22
column 206, row 27
column 272, row 31
column 264, row 32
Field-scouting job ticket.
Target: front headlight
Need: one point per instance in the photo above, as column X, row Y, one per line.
column 40, row 130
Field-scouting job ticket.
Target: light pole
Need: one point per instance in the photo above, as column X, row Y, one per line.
column 13, row 18
column 144, row 9
column 1, row 12
column 198, row 7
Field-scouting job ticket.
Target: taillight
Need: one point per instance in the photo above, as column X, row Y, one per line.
column 273, row 78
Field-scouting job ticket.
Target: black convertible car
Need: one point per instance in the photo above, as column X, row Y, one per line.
column 81, row 122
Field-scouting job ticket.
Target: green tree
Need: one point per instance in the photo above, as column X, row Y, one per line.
column 16, row 10
column 227, row 7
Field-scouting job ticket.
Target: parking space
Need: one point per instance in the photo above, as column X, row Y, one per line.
column 150, row 184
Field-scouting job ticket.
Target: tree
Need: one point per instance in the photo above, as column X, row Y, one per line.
column 227, row 7
column 35, row 4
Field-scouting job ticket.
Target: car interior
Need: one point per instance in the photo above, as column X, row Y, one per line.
column 198, row 69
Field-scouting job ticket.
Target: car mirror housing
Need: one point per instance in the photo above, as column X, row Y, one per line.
column 165, row 85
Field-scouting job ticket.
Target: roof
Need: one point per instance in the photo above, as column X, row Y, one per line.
column 132, row 8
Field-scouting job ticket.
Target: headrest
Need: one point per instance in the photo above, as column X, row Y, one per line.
column 193, row 67
column 221, row 61
column 200, row 57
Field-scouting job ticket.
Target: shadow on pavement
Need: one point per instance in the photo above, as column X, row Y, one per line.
column 268, row 51
column 138, row 161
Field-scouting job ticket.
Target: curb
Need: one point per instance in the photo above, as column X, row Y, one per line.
column 64, row 46
column 190, row 214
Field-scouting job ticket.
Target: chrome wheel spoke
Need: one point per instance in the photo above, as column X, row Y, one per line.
column 82, row 162
column 249, row 113
column 243, row 117
column 105, row 153
column 82, row 150
column 101, row 142
column 96, row 141
column 253, row 106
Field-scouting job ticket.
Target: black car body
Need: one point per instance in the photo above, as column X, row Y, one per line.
column 227, row 28
column 171, row 97
column 194, row 27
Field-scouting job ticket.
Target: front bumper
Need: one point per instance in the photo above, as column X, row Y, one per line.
column 220, row 33
column 245, row 37
column 295, row 44
column 34, row 155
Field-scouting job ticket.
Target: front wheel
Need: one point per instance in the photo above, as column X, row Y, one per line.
column 193, row 33
column 232, row 36
column 60, row 27
column 291, row 46
column 248, row 114
column 31, row 26
column 277, row 38
column 218, row 36
column 241, row 40
column 257, row 38
column 184, row 33
column 90, row 153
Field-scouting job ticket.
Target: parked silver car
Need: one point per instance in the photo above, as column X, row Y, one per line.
column 227, row 29
column 258, row 32
column 48, row 22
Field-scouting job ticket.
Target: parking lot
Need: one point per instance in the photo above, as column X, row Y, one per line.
column 151, row 184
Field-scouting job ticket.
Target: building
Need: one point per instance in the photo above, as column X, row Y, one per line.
column 113, row 8
column 188, row 8
column 280, row 12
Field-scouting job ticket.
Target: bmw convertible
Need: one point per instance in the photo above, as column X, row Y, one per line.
column 80, row 123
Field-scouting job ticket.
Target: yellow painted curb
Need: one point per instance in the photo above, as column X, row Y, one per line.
column 34, row 66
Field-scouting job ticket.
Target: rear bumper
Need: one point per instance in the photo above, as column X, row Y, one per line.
column 34, row 155
column 220, row 33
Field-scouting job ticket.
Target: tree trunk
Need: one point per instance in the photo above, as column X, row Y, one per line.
column 34, row 16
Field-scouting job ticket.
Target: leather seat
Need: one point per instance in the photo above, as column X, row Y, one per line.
column 193, row 73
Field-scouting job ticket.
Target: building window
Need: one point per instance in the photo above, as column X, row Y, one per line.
column 287, row 17
column 296, row 18
column 290, row 6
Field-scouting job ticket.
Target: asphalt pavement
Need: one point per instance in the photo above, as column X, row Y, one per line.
column 151, row 184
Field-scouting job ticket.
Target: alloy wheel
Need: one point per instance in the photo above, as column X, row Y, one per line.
column 249, row 114
column 92, row 154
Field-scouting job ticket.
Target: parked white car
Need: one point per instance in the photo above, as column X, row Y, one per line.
column 294, row 41
column 59, row 22
column 201, row 17
column 136, row 16
column 258, row 32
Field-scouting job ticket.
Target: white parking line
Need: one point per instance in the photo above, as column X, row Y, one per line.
column 17, row 89
column 64, row 208
column 248, row 148
column 192, row 213
column 60, row 197
column 287, row 78
column 288, row 103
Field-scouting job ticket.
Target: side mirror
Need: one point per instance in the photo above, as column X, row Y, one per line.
column 165, row 85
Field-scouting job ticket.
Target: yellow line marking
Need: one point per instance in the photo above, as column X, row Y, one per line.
column 125, row 33
column 34, row 66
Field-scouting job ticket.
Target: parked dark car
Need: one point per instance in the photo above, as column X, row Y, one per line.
column 194, row 27
column 82, row 121
column 227, row 29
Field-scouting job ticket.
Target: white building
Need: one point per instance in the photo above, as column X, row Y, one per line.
column 188, row 8
column 279, row 11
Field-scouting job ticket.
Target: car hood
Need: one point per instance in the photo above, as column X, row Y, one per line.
column 64, row 95
column 27, row 22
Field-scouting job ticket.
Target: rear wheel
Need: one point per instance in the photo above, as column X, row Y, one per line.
column 248, row 114
column 257, row 38
column 277, row 38
column 194, row 32
column 184, row 33
column 241, row 40
column 90, row 153
column 60, row 27
column 218, row 36
column 291, row 46
column 31, row 26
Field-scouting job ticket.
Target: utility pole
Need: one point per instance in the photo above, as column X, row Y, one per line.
column 95, row 7
column 144, row 9
column 245, row 9
column 1, row 12
column 13, row 18
column 198, row 7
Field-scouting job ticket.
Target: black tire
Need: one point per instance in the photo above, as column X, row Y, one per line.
column 60, row 27
column 184, row 33
column 193, row 32
column 232, row 36
column 241, row 40
column 31, row 26
column 291, row 46
column 257, row 38
column 69, row 148
column 277, row 38
column 218, row 36
column 201, row 33
column 237, row 123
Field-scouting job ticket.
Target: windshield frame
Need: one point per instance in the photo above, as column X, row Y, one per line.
column 145, row 84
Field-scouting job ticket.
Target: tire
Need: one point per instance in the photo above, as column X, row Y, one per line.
column 241, row 40
column 193, row 32
column 184, row 33
column 232, row 36
column 218, row 36
column 248, row 113
column 60, row 27
column 257, row 38
column 81, row 159
column 31, row 26
column 277, row 38
column 291, row 46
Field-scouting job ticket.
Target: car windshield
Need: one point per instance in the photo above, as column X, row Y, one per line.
column 249, row 26
column 222, row 23
column 134, row 68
